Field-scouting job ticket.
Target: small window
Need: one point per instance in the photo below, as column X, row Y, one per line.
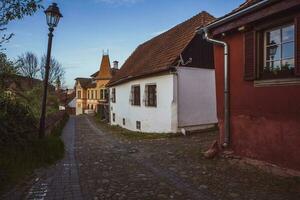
column 138, row 125
column 114, row 117
column 102, row 94
column 79, row 94
column 279, row 52
column 96, row 94
column 106, row 94
column 124, row 122
column 135, row 95
column 150, row 95
column 92, row 92
column 113, row 94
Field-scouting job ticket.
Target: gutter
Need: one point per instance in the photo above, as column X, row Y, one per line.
column 239, row 13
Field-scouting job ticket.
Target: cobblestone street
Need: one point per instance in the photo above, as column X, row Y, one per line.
column 112, row 167
column 101, row 165
column 60, row 181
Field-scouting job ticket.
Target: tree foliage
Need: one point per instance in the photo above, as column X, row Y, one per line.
column 7, row 70
column 28, row 65
column 15, row 9
column 17, row 122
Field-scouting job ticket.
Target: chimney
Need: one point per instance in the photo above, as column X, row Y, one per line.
column 115, row 64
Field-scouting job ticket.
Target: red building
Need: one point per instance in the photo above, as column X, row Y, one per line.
column 263, row 41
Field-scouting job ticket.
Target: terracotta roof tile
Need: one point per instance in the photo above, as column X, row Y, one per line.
column 161, row 52
column 244, row 5
column 105, row 72
column 86, row 82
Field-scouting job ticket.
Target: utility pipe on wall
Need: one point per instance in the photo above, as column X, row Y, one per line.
column 204, row 32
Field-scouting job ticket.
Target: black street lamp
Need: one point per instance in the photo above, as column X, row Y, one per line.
column 52, row 15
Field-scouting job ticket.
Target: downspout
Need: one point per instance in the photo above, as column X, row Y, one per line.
column 176, row 93
column 226, row 85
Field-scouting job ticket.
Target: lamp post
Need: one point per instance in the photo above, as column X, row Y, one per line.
column 52, row 15
column 66, row 100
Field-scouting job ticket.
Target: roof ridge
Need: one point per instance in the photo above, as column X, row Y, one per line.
column 203, row 13
column 162, row 50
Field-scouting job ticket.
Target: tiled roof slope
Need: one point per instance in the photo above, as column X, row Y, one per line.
column 86, row 82
column 246, row 4
column 161, row 52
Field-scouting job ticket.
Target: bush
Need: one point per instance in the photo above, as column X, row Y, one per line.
column 19, row 161
column 17, row 123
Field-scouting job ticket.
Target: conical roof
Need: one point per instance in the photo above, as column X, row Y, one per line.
column 105, row 70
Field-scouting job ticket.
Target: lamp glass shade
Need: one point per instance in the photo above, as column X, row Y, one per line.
column 53, row 15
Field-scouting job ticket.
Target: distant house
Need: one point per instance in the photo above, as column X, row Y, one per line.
column 67, row 100
column 264, row 80
column 168, row 83
column 17, row 84
column 92, row 93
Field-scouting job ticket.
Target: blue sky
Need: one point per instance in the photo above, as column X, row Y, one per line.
column 91, row 26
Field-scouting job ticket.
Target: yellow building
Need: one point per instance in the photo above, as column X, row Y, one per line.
column 92, row 96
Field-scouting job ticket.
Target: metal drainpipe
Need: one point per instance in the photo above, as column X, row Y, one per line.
column 226, row 86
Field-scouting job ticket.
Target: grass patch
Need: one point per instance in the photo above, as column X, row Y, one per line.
column 19, row 162
column 132, row 135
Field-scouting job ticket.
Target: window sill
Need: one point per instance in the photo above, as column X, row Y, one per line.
column 151, row 106
column 277, row 82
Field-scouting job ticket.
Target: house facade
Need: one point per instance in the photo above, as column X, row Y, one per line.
column 168, row 84
column 263, row 38
column 92, row 93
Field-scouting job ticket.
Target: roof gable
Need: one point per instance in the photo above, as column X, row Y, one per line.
column 162, row 51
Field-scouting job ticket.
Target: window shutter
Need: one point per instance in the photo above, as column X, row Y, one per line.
column 146, row 95
column 249, row 70
column 297, row 45
column 155, row 96
column 131, row 96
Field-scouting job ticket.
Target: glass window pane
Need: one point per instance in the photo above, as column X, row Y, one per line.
column 288, row 34
column 273, row 37
column 273, row 66
column 273, row 53
column 288, row 64
column 288, row 50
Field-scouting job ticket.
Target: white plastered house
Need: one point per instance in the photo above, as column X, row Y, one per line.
column 167, row 85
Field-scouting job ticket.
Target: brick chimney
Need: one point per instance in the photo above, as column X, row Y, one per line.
column 115, row 65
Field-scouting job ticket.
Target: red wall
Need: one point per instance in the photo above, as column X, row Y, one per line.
column 265, row 121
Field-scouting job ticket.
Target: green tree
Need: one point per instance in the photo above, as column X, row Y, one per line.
column 7, row 71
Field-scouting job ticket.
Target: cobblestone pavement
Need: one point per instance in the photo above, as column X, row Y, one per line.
column 60, row 181
column 112, row 167
column 100, row 164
